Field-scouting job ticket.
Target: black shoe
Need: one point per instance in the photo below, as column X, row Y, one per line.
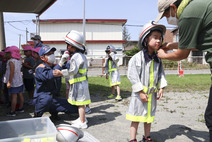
column 134, row 140
column 148, row 139
column 38, row 114
column 11, row 113
column 54, row 116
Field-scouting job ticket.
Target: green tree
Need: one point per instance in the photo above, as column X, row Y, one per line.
column 133, row 51
column 126, row 36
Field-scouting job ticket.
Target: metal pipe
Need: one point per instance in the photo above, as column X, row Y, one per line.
column 84, row 34
column 2, row 33
column 37, row 25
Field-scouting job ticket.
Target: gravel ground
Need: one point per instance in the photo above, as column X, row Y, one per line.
column 179, row 118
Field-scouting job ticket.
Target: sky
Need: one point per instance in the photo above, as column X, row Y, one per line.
column 137, row 13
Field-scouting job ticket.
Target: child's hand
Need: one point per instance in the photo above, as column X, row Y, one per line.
column 8, row 85
column 57, row 73
column 160, row 94
column 64, row 58
column 106, row 76
column 144, row 97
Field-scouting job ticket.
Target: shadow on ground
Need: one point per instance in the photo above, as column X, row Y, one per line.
column 178, row 130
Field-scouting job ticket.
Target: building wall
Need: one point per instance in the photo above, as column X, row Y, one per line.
column 96, row 51
column 58, row 31
column 94, row 31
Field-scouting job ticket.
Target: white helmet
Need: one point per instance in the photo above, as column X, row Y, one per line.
column 68, row 133
column 149, row 27
column 110, row 48
column 75, row 38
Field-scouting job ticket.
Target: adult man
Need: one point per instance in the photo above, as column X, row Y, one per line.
column 47, row 86
column 37, row 41
column 193, row 18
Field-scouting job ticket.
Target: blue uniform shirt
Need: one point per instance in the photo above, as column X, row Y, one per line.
column 46, row 83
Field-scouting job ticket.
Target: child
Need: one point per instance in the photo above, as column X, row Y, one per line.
column 35, row 54
column 1, row 75
column 28, row 75
column 13, row 78
column 67, row 65
column 47, row 86
column 111, row 70
column 145, row 72
column 77, row 72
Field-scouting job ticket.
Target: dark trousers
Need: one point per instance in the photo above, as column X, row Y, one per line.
column 46, row 103
column 208, row 114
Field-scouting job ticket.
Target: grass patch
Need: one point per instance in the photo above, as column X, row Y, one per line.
column 188, row 83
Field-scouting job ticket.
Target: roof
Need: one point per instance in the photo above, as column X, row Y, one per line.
column 87, row 41
column 25, row 6
column 123, row 21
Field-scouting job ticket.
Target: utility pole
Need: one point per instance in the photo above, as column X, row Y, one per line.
column 19, row 41
column 26, row 35
column 84, row 21
column 2, row 33
column 37, row 25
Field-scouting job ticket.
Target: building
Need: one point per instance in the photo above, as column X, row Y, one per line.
column 99, row 34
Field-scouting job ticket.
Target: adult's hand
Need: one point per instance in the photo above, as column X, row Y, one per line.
column 161, row 53
column 169, row 46
column 57, row 73
column 177, row 55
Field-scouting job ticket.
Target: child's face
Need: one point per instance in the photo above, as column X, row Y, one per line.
column 35, row 55
column 8, row 55
column 70, row 48
column 108, row 52
column 154, row 41
column 27, row 53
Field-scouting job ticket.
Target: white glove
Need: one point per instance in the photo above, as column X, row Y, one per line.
column 64, row 58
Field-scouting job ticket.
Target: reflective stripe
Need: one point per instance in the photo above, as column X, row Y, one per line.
column 140, row 118
column 42, row 140
column 82, row 71
column 151, row 80
column 112, row 84
column 26, row 140
column 79, row 79
column 110, row 70
column 73, row 40
column 79, row 103
column 68, row 130
column 145, row 89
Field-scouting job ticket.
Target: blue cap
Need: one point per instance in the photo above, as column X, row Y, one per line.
column 46, row 49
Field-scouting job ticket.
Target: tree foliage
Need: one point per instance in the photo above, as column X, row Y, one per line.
column 133, row 51
column 126, row 36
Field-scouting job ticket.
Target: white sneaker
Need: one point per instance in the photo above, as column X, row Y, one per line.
column 87, row 110
column 80, row 125
column 78, row 120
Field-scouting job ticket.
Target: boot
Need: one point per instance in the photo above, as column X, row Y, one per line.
column 38, row 114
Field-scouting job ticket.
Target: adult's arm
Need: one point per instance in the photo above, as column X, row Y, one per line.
column 174, row 56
